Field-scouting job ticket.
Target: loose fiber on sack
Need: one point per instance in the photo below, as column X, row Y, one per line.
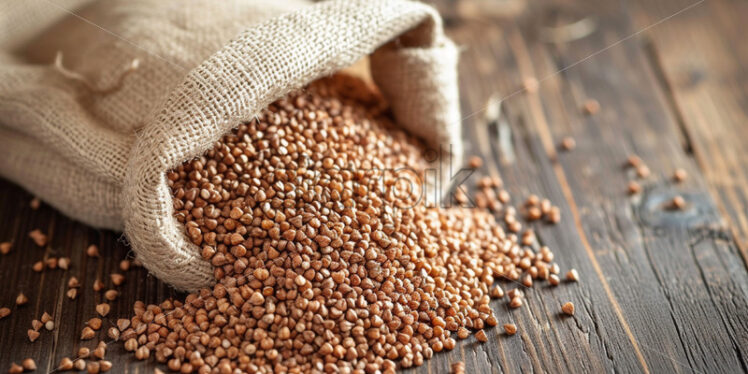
column 108, row 152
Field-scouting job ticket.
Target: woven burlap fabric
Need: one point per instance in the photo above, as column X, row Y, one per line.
column 93, row 113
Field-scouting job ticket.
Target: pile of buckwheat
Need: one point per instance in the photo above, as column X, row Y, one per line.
column 325, row 259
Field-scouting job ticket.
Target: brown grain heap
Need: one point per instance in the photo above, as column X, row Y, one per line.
column 321, row 261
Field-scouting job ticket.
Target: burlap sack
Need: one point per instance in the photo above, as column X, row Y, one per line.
column 95, row 108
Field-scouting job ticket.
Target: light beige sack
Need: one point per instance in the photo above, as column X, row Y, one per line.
column 95, row 108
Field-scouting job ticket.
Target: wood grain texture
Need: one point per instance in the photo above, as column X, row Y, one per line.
column 46, row 290
column 700, row 59
column 646, row 253
column 660, row 290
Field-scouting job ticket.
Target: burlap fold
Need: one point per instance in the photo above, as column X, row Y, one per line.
column 95, row 108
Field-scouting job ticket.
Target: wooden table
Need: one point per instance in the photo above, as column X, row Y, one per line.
column 660, row 291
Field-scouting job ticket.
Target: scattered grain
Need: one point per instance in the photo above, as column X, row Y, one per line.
column 5, row 247
column 497, row 292
column 93, row 367
column 98, row 285
column 105, row 365
column 113, row 333
column 79, row 364
column 481, row 336
column 680, row 175
column 555, row 269
column 87, row 333
column 633, row 161
column 111, row 295
column 38, row 266
column 65, row 364
column 515, row 292
column 634, row 188
column 92, row 250
column 15, row 368
column 533, row 213
column 568, row 143
column 458, row 368
column 73, row 282
column 123, row 324
column 572, row 275
column 504, row 196
column 591, row 106
column 39, row 238
column 568, row 308
column 516, row 302
column 142, row 353
column 95, row 323
column 554, row 216
column 642, row 171
column 131, row 345
column 545, row 206
column 29, row 364
column 103, row 309
column 475, row 162
column 117, row 279
column 527, row 280
column 677, row 203
column 33, row 335
column 100, row 351
column 21, row 299
column 553, row 280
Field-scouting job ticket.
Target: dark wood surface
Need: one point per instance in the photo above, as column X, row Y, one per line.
column 660, row 291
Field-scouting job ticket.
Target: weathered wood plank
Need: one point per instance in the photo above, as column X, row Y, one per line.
column 645, row 253
column 46, row 290
column 701, row 59
column 660, row 291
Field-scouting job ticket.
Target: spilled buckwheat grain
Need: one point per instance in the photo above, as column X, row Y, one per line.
column 323, row 259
